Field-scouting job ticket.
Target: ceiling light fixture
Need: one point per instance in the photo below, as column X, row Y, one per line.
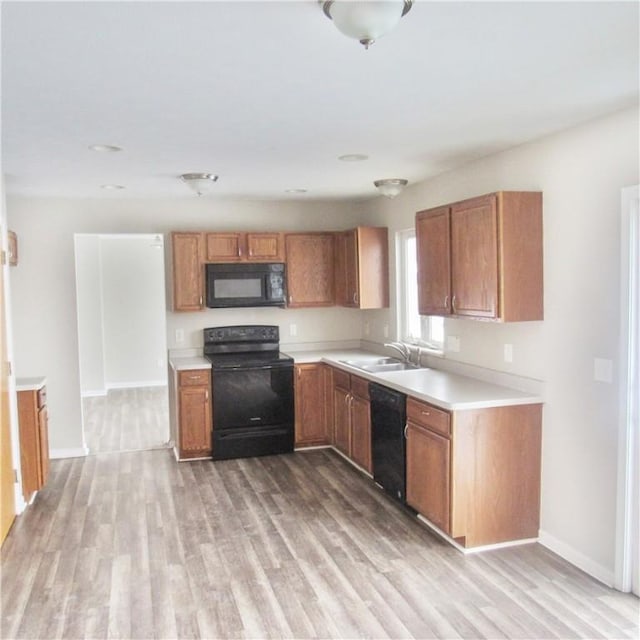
column 365, row 21
column 353, row 157
column 295, row 190
column 390, row 187
column 199, row 182
column 105, row 148
column 112, row 187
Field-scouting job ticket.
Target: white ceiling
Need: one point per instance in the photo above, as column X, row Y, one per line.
column 269, row 94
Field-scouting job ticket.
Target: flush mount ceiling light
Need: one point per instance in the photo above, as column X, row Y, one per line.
column 112, row 187
column 105, row 148
column 353, row 157
column 365, row 21
column 390, row 187
column 199, row 182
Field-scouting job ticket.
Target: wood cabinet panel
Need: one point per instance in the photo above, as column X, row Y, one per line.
column 34, row 441
column 310, row 269
column 224, row 247
column 362, row 268
column 265, row 247
column 342, row 419
column 474, row 258
column 194, row 414
column 361, row 432
column 434, row 261
column 428, row 475
column 188, row 271
column 482, row 258
column 310, row 414
column 428, row 416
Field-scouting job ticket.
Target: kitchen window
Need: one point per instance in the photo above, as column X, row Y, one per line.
column 426, row 331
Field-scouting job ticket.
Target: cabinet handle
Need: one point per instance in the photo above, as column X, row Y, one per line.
column 453, row 303
column 426, row 413
column 200, row 300
column 194, row 377
column 206, row 395
column 446, row 301
column 355, row 297
column 250, row 252
column 406, row 426
column 290, row 299
column 239, row 252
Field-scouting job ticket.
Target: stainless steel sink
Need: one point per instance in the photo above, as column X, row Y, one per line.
column 380, row 365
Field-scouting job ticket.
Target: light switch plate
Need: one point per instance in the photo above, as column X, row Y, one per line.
column 602, row 370
column 179, row 335
column 508, row 352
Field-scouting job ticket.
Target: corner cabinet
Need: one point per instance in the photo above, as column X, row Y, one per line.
column 310, row 269
column 33, row 422
column 187, row 251
column 362, row 268
column 191, row 413
column 482, row 258
column 475, row 474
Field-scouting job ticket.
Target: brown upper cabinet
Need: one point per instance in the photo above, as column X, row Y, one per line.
column 482, row 258
column 188, row 271
column 244, row 247
column 362, row 268
column 310, row 269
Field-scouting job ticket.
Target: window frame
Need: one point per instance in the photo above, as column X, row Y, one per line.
column 430, row 326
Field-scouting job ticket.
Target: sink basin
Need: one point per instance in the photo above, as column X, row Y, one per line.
column 380, row 365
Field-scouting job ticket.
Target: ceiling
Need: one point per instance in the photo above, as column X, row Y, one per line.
column 268, row 94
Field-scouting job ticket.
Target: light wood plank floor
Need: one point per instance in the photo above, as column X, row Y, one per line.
column 135, row 545
column 127, row 420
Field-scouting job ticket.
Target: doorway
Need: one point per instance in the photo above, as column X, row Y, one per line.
column 121, row 311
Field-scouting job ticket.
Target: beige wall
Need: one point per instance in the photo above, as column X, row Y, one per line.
column 581, row 173
column 44, row 295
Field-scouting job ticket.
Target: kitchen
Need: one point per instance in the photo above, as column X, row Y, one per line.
column 580, row 172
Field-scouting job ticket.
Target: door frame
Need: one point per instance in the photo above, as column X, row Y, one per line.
column 625, row 576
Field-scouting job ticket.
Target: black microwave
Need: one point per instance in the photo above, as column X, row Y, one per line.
column 245, row 284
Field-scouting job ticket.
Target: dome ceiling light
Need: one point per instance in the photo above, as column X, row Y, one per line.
column 200, row 183
column 364, row 20
column 390, row 187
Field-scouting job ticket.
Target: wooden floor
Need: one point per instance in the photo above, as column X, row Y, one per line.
column 135, row 545
column 126, row 420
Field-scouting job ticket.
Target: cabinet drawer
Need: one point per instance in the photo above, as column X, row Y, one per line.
column 341, row 379
column 360, row 387
column 429, row 416
column 42, row 397
column 193, row 378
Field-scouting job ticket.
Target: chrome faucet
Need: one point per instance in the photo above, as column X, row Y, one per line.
column 401, row 348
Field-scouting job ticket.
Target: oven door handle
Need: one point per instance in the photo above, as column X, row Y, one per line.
column 254, row 368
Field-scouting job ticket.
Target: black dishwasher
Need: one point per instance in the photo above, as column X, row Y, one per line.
column 388, row 419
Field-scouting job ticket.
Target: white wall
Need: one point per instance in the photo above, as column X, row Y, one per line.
column 581, row 173
column 44, row 289
column 133, row 302
column 89, row 304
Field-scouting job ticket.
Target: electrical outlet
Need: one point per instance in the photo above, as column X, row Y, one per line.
column 385, row 330
column 508, row 352
column 367, row 328
column 179, row 335
column 453, row 344
column 293, row 330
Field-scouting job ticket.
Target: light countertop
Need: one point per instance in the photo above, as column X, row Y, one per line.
column 443, row 389
column 30, row 384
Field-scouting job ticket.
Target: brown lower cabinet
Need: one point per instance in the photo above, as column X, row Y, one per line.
column 191, row 413
column 475, row 474
column 33, row 421
column 310, row 405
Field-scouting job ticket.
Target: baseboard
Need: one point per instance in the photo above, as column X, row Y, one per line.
column 79, row 452
column 577, row 558
column 135, row 385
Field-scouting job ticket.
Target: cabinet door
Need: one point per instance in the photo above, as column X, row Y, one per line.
column 30, row 463
column 195, row 421
column 310, row 426
column 225, row 247
column 43, row 430
column 340, row 269
column 187, row 271
column 434, row 262
column 310, row 269
column 361, row 433
column 428, row 475
column 474, row 257
column 342, row 420
column 265, row 247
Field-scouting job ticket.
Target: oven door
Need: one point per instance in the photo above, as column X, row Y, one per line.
column 253, row 411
